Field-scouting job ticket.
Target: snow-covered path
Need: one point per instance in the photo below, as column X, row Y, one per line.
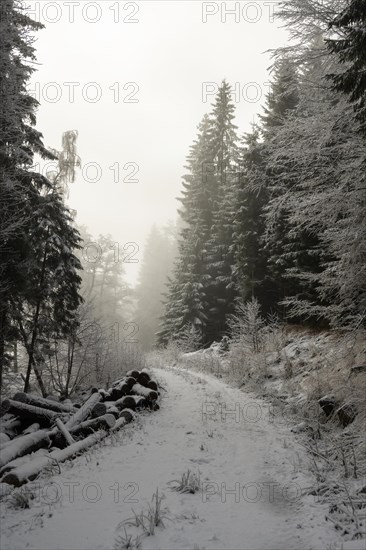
column 252, row 473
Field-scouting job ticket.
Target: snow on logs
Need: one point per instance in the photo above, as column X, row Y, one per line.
column 10, row 426
column 125, row 417
column 29, row 413
column 149, row 394
column 44, row 403
column 31, row 424
column 127, row 402
column 4, row 439
column 84, row 411
column 88, row 427
column 28, row 471
column 98, row 410
column 24, row 445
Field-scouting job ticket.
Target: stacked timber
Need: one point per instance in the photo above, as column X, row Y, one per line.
column 36, row 431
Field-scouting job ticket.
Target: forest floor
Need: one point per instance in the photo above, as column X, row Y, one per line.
column 251, row 472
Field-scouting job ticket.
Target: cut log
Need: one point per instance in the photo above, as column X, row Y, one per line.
column 4, row 439
column 151, row 395
column 52, row 397
column 87, row 427
column 130, row 381
column 84, row 411
column 143, row 379
column 134, row 373
column 126, row 402
column 68, row 403
column 108, row 399
column 115, row 394
column 105, row 422
column 104, row 394
column 20, row 475
column 128, row 414
column 22, row 460
column 142, row 403
column 117, row 382
column 10, row 427
column 114, row 411
column 7, row 417
column 30, row 413
column 119, row 424
column 23, row 445
column 32, row 428
column 152, row 385
column 99, row 410
column 125, row 418
column 44, row 403
column 66, row 434
column 119, row 391
column 123, row 389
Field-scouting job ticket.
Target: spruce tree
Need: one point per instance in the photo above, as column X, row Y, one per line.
column 350, row 48
column 185, row 303
column 280, row 241
column 39, row 285
column 18, row 142
column 202, row 290
column 221, row 288
column 251, row 258
column 321, row 154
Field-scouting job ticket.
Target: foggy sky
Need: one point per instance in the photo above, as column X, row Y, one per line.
column 168, row 54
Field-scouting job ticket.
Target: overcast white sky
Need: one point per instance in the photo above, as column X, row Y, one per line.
column 168, row 53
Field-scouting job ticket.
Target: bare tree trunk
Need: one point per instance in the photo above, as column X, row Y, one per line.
column 70, row 362
column 16, row 356
column 2, row 341
column 31, row 348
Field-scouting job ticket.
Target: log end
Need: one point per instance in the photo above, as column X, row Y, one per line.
column 127, row 414
column 127, row 402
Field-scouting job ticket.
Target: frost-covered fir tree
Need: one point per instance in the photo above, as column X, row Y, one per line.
column 350, row 47
column 251, row 258
column 202, row 290
column 221, row 289
column 47, row 305
column 326, row 198
column 186, row 302
column 281, row 102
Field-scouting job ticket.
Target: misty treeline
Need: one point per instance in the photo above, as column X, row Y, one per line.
column 276, row 216
column 159, row 254
column 64, row 304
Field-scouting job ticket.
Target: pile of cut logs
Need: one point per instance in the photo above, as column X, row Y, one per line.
column 36, row 432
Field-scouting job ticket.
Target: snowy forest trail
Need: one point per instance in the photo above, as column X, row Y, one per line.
column 251, row 472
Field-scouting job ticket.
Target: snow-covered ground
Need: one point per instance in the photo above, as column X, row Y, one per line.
column 253, row 476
